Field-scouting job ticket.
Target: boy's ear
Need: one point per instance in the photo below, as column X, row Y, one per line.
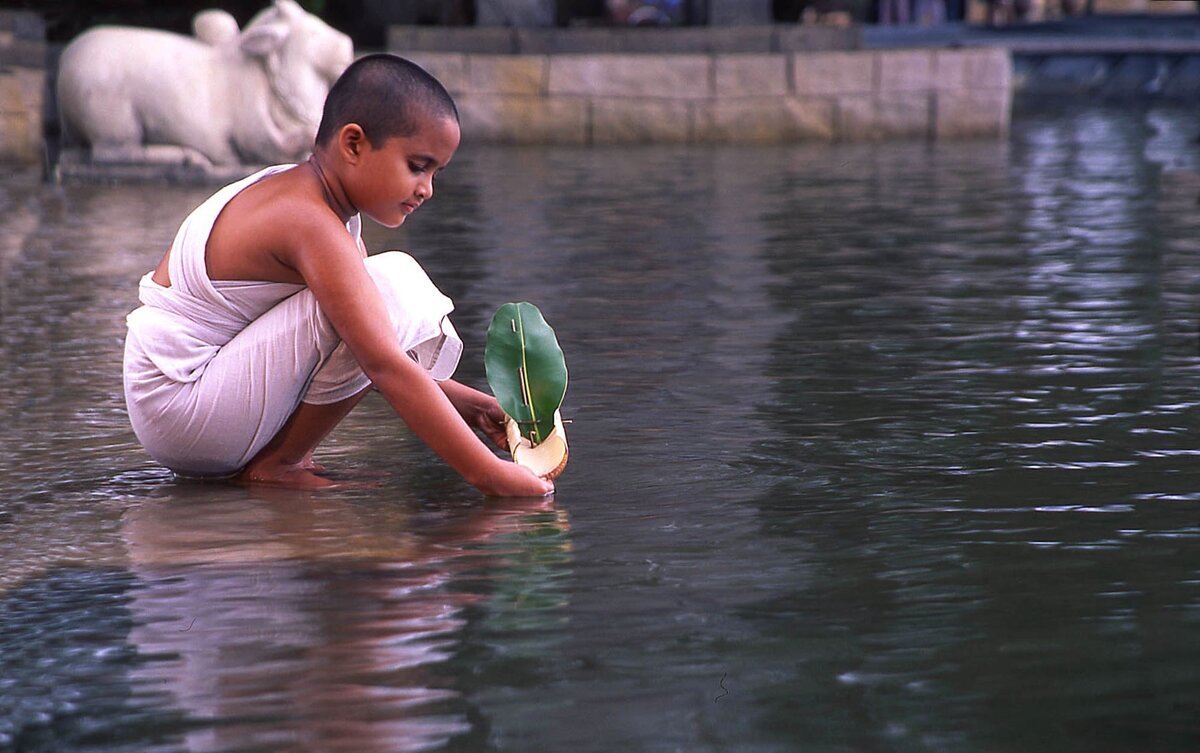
column 351, row 141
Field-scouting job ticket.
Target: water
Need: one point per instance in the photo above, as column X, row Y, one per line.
column 874, row 448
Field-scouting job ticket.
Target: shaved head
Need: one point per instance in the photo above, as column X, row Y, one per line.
column 386, row 96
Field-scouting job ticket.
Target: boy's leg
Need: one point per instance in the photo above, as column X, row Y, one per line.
column 339, row 383
column 249, row 391
column 335, row 389
column 273, row 392
column 287, row 458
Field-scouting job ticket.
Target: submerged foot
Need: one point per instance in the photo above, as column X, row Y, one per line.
column 299, row 476
column 313, row 466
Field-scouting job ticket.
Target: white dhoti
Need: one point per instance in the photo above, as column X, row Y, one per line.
column 214, row 370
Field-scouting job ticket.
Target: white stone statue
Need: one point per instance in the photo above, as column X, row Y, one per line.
column 223, row 98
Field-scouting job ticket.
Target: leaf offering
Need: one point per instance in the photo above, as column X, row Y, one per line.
column 528, row 375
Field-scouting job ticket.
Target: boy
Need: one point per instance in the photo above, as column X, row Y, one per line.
column 265, row 322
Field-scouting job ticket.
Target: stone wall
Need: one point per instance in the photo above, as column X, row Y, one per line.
column 743, row 98
column 22, row 87
column 515, row 40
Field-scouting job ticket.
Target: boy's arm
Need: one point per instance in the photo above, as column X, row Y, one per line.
column 427, row 409
column 329, row 261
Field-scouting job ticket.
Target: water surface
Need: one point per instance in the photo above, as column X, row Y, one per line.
column 874, row 447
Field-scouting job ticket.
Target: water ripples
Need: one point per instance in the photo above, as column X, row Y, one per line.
column 875, row 447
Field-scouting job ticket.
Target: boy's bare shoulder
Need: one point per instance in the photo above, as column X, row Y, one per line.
column 294, row 199
column 290, row 205
column 268, row 226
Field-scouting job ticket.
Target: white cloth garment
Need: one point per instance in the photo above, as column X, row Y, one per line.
column 213, row 369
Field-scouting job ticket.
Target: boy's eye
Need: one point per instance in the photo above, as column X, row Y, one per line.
column 416, row 167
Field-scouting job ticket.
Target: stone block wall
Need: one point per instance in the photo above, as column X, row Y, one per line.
column 516, row 40
column 22, row 87
column 742, row 98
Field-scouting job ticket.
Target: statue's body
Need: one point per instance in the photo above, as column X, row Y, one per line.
column 222, row 98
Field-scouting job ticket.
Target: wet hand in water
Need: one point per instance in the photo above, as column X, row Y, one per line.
column 512, row 480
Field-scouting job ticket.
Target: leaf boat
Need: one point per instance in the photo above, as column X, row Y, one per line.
column 527, row 373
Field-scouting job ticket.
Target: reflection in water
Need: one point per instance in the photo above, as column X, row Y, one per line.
column 282, row 621
column 309, row 622
column 876, row 447
column 976, row 421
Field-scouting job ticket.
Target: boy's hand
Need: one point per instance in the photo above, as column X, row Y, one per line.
column 512, row 480
column 479, row 410
column 490, row 421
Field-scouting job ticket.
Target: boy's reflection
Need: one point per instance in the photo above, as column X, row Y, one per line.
column 313, row 622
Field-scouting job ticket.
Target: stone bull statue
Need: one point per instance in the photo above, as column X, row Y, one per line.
column 222, row 98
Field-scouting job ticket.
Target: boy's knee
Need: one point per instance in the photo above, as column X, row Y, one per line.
column 398, row 276
column 390, row 262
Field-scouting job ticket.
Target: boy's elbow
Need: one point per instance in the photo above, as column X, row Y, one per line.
column 383, row 360
column 397, row 369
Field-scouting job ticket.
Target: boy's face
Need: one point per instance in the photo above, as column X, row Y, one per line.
column 395, row 178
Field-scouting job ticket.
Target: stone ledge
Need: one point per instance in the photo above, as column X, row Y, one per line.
column 834, row 73
column 671, row 41
column 905, row 70
column 752, row 98
column 983, row 68
column 624, row 120
column 22, row 92
column 75, row 166
column 20, row 139
column 673, row 98
column 817, row 39
column 482, row 40
column 501, row 74
column 751, row 75
column 902, row 115
column 22, row 53
column 650, row 41
column 664, row 76
column 970, row 113
column 766, row 120
column 523, row 119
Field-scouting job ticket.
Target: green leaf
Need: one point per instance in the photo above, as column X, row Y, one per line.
column 525, row 368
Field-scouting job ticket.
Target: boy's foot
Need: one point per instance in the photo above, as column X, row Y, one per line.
column 313, row 466
column 290, row 476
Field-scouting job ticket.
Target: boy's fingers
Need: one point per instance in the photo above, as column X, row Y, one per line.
column 494, row 433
